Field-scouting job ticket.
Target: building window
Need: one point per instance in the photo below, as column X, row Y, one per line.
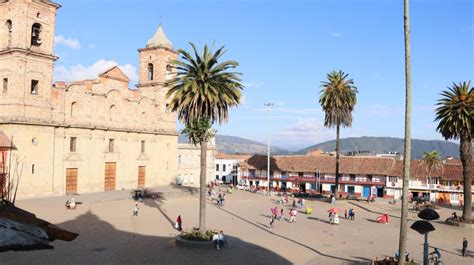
column 5, row 85
column 150, row 71
column 142, row 147
column 392, row 179
column 35, row 34
column 169, row 70
column 73, row 109
column 223, row 167
column 72, row 144
column 34, row 87
column 8, row 25
column 112, row 111
column 217, row 167
column 33, row 169
column 217, row 177
column 111, row 145
column 352, row 177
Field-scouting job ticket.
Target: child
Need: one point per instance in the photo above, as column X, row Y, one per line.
column 135, row 210
column 345, row 214
column 282, row 215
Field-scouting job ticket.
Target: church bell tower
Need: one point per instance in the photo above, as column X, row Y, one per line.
column 26, row 58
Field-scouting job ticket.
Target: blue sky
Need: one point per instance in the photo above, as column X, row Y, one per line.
column 285, row 49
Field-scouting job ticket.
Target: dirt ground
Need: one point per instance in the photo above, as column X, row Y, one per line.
column 110, row 234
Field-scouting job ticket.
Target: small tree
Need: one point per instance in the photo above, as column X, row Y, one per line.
column 430, row 162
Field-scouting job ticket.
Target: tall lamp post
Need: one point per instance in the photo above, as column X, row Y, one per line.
column 268, row 106
column 318, row 181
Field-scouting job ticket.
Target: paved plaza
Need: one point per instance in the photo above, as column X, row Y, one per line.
column 109, row 234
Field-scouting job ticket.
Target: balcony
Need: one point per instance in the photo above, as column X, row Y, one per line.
column 435, row 187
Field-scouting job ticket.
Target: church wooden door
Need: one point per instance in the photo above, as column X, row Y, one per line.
column 71, row 180
column 110, row 170
column 141, row 177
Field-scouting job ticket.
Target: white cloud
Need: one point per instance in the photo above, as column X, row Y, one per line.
column 303, row 133
column 253, row 84
column 243, row 101
column 335, row 34
column 379, row 111
column 68, row 42
column 91, row 46
column 80, row 72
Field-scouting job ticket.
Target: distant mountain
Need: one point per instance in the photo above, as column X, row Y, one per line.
column 236, row 145
column 378, row 145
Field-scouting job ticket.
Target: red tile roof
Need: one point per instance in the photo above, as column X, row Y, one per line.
column 354, row 165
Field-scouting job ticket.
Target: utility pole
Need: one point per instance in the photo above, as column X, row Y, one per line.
column 268, row 105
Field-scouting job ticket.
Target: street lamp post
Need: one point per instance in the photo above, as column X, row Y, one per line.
column 268, row 105
column 318, row 182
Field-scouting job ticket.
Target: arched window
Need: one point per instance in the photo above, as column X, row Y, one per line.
column 112, row 112
column 169, row 70
column 74, row 109
column 9, row 26
column 35, row 34
column 150, row 71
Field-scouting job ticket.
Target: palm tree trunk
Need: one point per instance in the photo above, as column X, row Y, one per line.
column 407, row 149
column 466, row 160
column 202, row 187
column 336, row 193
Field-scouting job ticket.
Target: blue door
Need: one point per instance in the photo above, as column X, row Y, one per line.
column 366, row 191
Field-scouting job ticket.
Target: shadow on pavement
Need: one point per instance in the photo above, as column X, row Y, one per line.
column 318, row 219
column 101, row 243
column 258, row 225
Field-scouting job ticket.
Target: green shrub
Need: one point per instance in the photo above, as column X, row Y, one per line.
column 197, row 235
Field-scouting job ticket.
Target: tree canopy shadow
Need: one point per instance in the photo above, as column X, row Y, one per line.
column 101, row 243
column 267, row 229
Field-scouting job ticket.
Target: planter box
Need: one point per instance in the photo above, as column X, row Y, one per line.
column 192, row 243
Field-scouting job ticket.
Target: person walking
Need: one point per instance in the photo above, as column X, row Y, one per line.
column 272, row 220
column 179, row 224
column 464, row 247
column 273, row 211
column 292, row 216
column 135, row 210
column 345, row 213
column 353, row 215
column 294, row 203
column 282, row 215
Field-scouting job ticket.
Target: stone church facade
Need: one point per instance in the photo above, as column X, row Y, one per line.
column 83, row 136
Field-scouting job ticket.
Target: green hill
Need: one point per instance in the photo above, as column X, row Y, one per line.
column 378, row 145
column 236, row 145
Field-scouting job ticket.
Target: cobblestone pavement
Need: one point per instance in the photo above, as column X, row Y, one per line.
column 109, row 234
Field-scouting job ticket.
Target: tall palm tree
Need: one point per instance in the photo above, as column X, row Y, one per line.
column 201, row 93
column 455, row 114
column 338, row 100
column 430, row 162
column 407, row 149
